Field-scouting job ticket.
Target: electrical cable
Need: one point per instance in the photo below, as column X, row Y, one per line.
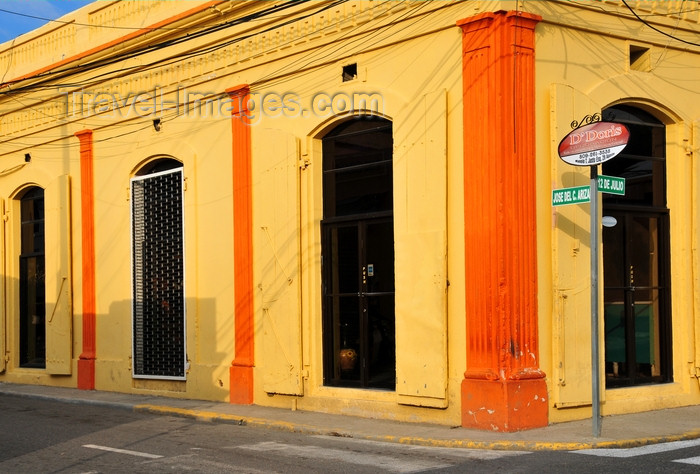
column 173, row 59
column 320, row 53
column 153, row 47
column 364, row 37
column 162, row 62
column 202, row 51
column 668, row 43
column 49, row 20
column 692, row 43
column 361, row 37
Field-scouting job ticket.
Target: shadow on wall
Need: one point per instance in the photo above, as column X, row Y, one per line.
column 165, row 344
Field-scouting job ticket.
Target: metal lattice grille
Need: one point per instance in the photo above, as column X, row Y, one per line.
column 159, row 306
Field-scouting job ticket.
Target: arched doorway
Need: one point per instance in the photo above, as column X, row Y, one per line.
column 636, row 257
column 358, row 255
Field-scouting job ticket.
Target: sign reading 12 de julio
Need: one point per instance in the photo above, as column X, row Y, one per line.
column 593, row 144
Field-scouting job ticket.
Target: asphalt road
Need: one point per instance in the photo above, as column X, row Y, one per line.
column 45, row 436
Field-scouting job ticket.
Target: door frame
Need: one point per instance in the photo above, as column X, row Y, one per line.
column 627, row 213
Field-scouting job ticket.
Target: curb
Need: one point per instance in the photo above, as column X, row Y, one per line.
column 302, row 428
column 72, row 401
column 502, row 445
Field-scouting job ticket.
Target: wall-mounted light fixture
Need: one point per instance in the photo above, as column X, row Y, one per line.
column 27, row 157
column 156, row 124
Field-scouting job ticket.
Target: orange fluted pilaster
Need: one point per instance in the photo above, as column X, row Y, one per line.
column 503, row 388
column 86, row 360
column 241, row 372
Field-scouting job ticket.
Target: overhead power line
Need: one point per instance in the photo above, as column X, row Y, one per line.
column 692, row 43
column 90, row 65
column 67, row 22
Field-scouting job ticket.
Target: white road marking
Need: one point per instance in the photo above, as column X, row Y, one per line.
column 122, row 451
column 641, row 450
column 695, row 460
column 485, row 454
column 387, row 463
column 197, row 463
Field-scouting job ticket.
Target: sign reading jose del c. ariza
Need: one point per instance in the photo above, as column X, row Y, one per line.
column 593, row 144
column 575, row 195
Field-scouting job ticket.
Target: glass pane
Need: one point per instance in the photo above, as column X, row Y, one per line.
column 614, row 267
column 361, row 190
column 33, row 237
column 344, row 260
column 646, row 131
column 346, row 155
column 32, row 312
column 357, row 142
column 380, row 257
column 348, row 340
column 638, row 180
column 357, row 168
column 646, row 330
column 32, row 205
column 615, row 331
column 643, row 251
column 382, row 344
column 642, row 161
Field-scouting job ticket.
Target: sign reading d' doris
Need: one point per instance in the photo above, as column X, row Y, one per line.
column 593, row 144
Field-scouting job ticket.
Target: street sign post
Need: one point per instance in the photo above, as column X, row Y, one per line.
column 591, row 145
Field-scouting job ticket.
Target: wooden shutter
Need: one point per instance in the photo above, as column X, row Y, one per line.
column 695, row 140
column 571, row 262
column 420, row 233
column 59, row 298
column 277, row 259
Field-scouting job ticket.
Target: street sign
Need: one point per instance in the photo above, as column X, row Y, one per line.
column 581, row 194
column 611, row 185
column 575, row 195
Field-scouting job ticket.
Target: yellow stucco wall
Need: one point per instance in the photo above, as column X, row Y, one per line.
column 409, row 57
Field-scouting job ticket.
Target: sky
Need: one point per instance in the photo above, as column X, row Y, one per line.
column 13, row 24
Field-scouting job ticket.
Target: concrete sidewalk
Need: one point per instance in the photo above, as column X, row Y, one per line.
column 619, row 431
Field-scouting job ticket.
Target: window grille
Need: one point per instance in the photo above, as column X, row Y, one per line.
column 158, row 276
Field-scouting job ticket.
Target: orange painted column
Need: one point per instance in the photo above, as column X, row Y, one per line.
column 503, row 388
column 86, row 360
column 241, row 372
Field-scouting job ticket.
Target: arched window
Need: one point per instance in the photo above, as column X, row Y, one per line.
column 158, row 271
column 32, row 287
column 358, row 255
column 636, row 257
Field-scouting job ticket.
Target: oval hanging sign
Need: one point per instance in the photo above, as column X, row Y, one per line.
column 593, row 144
